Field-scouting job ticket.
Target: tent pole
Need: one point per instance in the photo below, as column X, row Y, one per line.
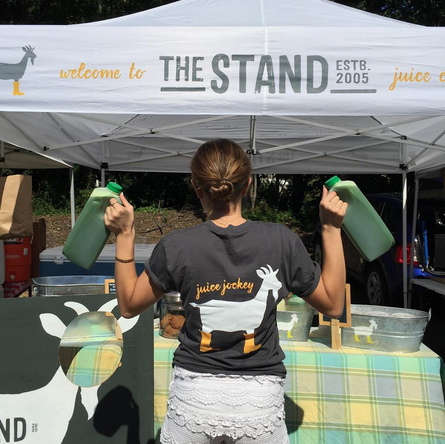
column 249, row 200
column 413, row 237
column 72, row 200
column 404, row 230
column 103, row 162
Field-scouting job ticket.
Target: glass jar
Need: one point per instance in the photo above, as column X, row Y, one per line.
column 172, row 315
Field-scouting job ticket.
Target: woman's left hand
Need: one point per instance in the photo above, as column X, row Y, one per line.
column 119, row 218
column 332, row 209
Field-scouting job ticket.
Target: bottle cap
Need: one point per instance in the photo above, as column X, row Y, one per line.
column 296, row 300
column 114, row 187
column 172, row 297
column 331, row 182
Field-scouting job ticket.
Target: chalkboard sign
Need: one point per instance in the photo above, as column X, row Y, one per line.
column 345, row 318
column 110, row 286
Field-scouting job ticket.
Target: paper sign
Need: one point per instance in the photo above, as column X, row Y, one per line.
column 110, row 286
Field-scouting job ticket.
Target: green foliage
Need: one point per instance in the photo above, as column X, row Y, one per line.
column 292, row 199
column 421, row 12
column 41, row 206
column 308, row 211
column 58, row 12
column 265, row 212
column 147, row 189
column 153, row 208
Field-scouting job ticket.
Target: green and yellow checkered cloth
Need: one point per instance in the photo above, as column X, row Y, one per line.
column 346, row 396
column 91, row 348
column 91, row 361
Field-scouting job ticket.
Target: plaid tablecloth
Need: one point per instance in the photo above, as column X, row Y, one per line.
column 90, row 362
column 349, row 396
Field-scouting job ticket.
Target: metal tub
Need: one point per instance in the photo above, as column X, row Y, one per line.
column 68, row 285
column 385, row 328
column 294, row 323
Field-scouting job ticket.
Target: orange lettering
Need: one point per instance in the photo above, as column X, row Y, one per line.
column 82, row 73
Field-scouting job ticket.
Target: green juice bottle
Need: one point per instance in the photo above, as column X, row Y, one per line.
column 362, row 224
column 89, row 235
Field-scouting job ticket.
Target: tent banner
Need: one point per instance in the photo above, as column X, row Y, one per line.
column 224, row 71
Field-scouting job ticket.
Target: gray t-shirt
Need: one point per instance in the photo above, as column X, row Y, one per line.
column 231, row 280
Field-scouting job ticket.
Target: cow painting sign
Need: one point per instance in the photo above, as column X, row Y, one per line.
column 39, row 404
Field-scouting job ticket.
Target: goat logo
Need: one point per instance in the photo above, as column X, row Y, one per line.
column 15, row 71
column 288, row 326
column 55, row 402
column 246, row 316
column 365, row 331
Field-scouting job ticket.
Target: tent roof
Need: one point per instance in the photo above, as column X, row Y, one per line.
column 19, row 158
column 290, row 100
column 253, row 13
column 286, row 144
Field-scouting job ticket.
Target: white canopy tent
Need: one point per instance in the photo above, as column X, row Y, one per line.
column 14, row 157
column 305, row 87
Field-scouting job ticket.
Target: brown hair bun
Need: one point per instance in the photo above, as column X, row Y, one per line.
column 221, row 168
column 222, row 191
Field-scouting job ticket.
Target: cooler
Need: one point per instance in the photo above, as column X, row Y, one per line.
column 18, row 259
column 54, row 263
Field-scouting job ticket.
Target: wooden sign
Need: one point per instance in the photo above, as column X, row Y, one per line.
column 38, row 408
column 110, row 286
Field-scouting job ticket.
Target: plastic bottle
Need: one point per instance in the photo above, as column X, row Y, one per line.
column 362, row 224
column 89, row 235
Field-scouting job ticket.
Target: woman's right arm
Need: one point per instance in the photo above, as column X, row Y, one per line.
column 134, row 294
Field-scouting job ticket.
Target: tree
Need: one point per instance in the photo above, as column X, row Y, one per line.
column 59, row 12
column 420, row 12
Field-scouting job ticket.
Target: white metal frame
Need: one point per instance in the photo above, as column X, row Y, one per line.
column 135, row 131
column 166, row 131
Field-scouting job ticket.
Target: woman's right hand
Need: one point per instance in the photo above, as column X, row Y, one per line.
column 119, row 218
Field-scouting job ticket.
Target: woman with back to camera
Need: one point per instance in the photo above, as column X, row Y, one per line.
column 227, row 384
